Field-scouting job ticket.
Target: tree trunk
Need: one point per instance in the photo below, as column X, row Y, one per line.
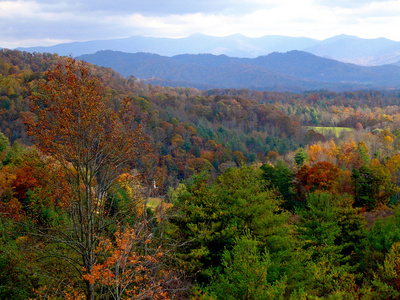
column 90, row 291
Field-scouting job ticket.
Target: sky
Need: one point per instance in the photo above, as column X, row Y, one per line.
column 25, row 23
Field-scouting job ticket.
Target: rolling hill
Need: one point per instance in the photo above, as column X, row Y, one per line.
column 290, row 71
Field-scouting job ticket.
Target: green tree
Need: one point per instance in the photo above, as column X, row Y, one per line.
column 245, row 274
column 209, row 217
column 300, row 157
column 332, row 232
column 384, row 233
column 318, row 225
column 17, row 277
column 281, row 177
column 363, row 152
column 373, row 186
column 4, row 145
column 386, row 281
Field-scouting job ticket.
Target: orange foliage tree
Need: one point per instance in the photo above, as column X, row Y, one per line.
column 33, row 187
column 9, row 204
column 92, row 146
column 323, row 176
column 128, row 272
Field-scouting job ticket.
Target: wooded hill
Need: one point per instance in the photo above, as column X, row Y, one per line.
column 255, row 201
column 294, row 71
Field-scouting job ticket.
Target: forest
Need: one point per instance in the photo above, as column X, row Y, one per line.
column 112, row 188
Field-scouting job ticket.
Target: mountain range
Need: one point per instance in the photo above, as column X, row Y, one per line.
column 345, row 48
column 291, row 71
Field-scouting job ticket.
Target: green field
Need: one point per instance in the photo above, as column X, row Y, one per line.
column 153, row 202
column 330, row 131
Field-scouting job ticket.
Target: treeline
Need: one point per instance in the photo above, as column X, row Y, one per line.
column 254, row 206
column 191, row 130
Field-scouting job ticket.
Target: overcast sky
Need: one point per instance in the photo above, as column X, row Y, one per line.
column 49, row 22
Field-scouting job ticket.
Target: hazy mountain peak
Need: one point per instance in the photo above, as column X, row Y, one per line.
column 357, row 50
column 339, row 37
column 346, row 48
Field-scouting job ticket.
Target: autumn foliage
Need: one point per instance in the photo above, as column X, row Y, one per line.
column 257, row 194
column 127, row 269
column 91, row 145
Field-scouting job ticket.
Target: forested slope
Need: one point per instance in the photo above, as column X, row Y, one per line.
column 262, row 195
column 294, row 71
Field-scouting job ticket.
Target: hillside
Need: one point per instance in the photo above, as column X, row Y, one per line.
column 176, row 193
column 291, row 71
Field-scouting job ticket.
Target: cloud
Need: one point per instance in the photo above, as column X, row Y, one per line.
column 44, row 22
column 347, row 3
column 385, row 9
column 150, row 7
column 280, row 17
column 49, row 20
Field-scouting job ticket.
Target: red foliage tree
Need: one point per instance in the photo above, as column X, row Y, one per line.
column 323, row 176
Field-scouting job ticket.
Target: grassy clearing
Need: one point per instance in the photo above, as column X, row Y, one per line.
column 333, row 131
column 153, row 202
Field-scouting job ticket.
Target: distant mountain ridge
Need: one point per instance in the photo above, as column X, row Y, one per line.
column 368, row 52
column 291, row 71
column 345, row 48
column 236, row 45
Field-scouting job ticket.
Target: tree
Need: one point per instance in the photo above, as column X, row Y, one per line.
column 373, row 186
column 318, row 225
column 363, row 152
column 386, row 280
column 126, row 271
column 245, row 274
column 315, row 152
column 281, row 177
column 323, row 176
column 239, row 158
column 300, row 157
column 331, row 230
column 4, row 145
column 209, row 217
column 91, row 146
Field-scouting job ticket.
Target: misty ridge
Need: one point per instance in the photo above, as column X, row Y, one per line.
column 345, row 48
